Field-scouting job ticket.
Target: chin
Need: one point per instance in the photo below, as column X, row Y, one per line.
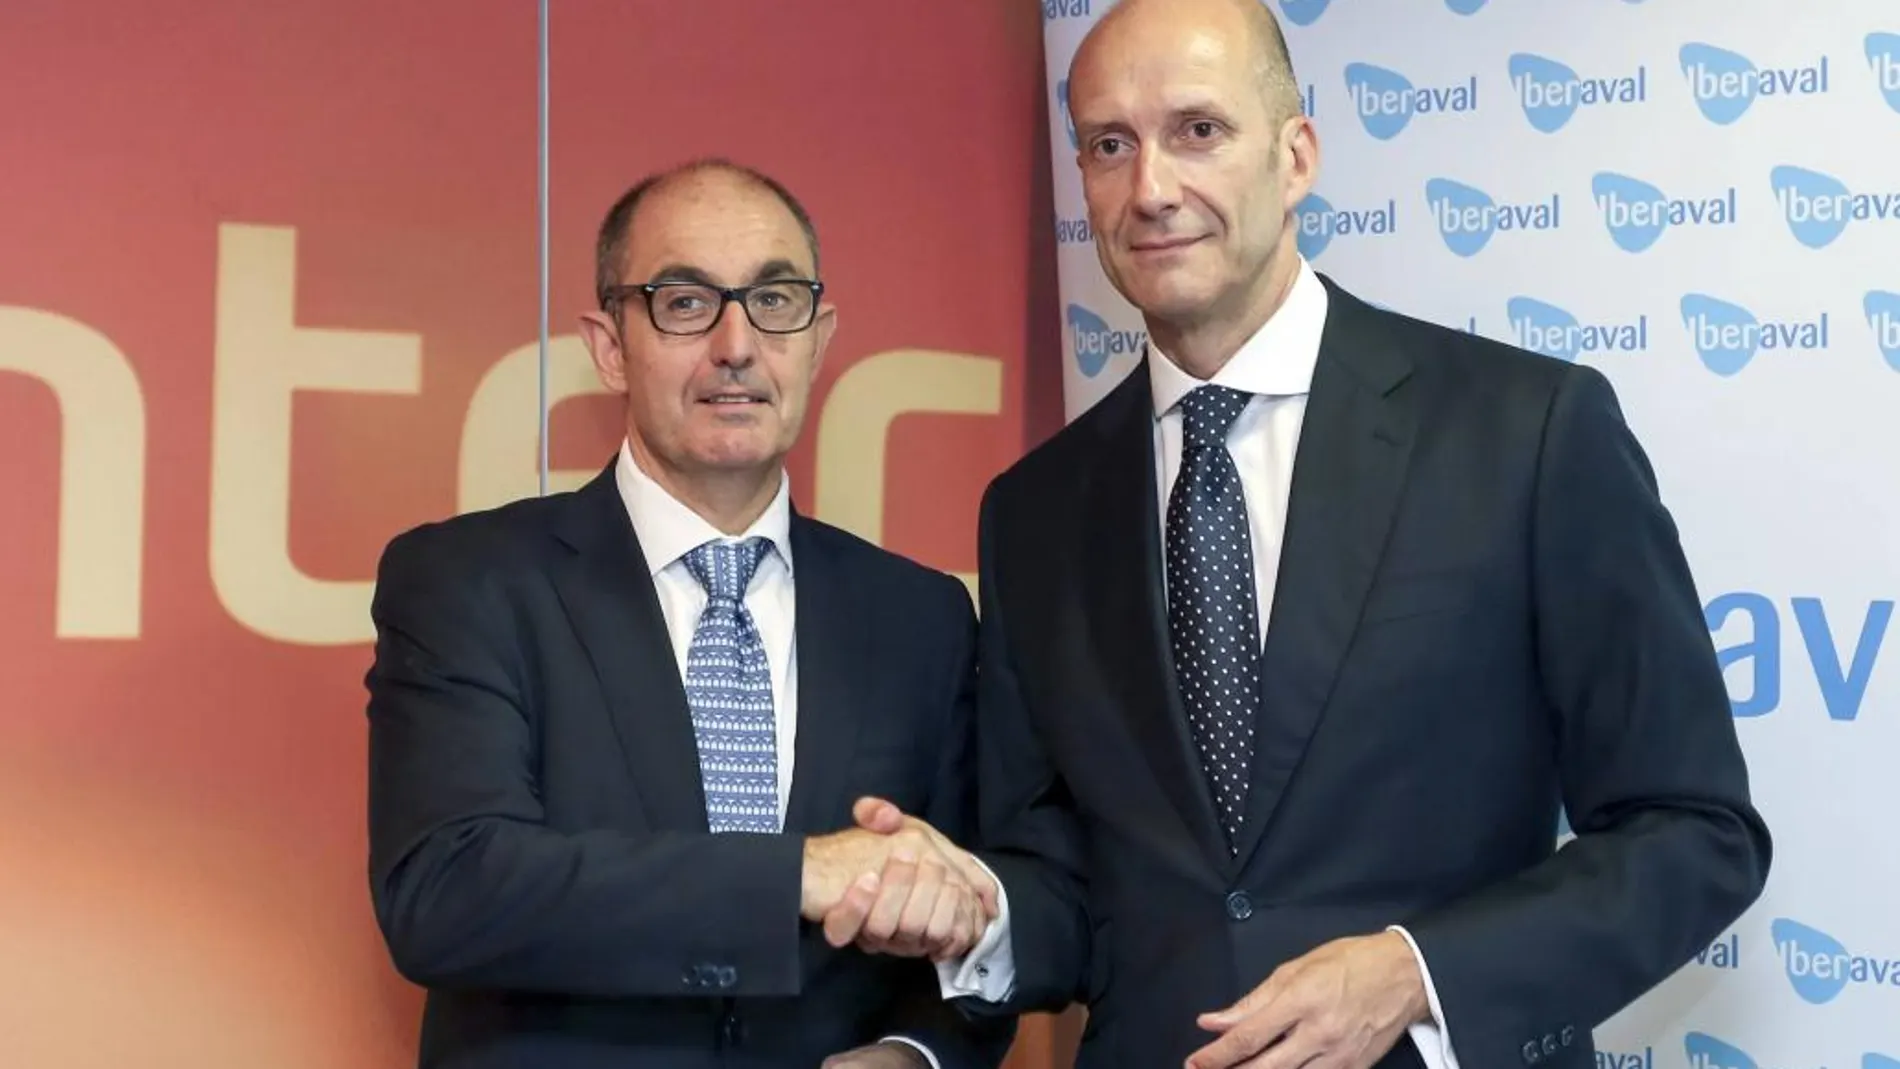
column 1168, row 294
column 737, row 453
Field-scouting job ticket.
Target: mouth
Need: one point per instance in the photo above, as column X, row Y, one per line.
column 1163, row 245
column 733, row 398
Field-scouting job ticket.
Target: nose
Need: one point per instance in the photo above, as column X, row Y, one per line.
column 1157, row 191
column 734, row 342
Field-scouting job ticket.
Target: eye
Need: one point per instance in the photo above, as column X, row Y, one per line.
column 1108, row 146
column 1203, row 129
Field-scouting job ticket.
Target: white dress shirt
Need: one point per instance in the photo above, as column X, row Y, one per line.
column 1275, row 365
column 668, row 530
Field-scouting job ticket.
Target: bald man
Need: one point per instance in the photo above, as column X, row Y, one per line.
column 1294, row 644
column 616, row 733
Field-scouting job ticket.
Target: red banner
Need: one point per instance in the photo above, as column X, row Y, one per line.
column 268, row 295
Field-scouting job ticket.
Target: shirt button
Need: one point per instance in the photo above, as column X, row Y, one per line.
column 1239, row 906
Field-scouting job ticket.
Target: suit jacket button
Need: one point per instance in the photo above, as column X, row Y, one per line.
column 1550, row 1045
column 1239, row 906
column 690, row 978
column 1568, row 1035
column 1532, row 1055
column 728, row 976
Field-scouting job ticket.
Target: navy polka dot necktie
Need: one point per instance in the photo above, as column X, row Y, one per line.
column 1213, row 623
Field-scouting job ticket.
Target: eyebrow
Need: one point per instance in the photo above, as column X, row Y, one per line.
column 770, row 269
column 1185, row 110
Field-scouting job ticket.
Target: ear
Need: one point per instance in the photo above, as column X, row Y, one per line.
column 602, row 336
column 822, row 329
column 1299, row 158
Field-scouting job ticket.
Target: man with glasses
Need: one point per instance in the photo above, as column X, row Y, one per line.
column 616, row 735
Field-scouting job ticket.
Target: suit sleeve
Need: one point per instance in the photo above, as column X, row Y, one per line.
column 920, row 1013
column 472, row 889
column 1669, row 849
column 1028, row 830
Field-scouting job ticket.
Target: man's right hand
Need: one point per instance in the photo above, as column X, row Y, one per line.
column 895, row 886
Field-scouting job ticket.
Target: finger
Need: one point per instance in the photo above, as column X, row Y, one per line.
column 943, row 932
column 900, row 873
column 1250, row 1003
column 845, row 920
column 1237, row 1047
column 1245, row 1037
column 975, row 920
column 878, row 815
column 933, row 882
column 1297, row 1050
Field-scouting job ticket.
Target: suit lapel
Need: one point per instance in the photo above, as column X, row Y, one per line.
column 1348, row 473
column 608, row 592
column 1128, row 610
column 833, row 648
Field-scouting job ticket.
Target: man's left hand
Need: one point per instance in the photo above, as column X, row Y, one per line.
column 1343, row 1006
column 879, row 1056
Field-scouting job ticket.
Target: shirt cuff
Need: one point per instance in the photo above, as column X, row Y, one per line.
column 1432, row 1038
column 988, row 971
column 918, row 1047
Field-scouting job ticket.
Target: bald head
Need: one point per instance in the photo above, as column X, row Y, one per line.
column 1243, row 29
column 616, row 230
column 1195, row 151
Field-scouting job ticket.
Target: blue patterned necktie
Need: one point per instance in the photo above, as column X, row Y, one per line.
column 1213, row 624
column 729, row 688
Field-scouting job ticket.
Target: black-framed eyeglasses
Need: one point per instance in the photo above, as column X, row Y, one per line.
column 781, row 306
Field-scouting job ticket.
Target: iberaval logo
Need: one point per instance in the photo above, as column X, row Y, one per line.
column 1707, row 1052
column 1725, row 953
column 1095, row 341
column 1386, row 100
column 1068, row 120
column 1550, row 330
column 1303, row 12
column 1467, row 217
column 1820, row 968
column 1725, row 83
column 1883, row 58
column 1319, row 223
column 1840, row 667
column 1550, row 92
column 1074, row 231
column 1637, row 213
column 1883, row 315
column 1879, row 1061
column 1465, row 7
column 1819, row 206
column 1727, row 336
column 1626, row 1059
column 1066, row 9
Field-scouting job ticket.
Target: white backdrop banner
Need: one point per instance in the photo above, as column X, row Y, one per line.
column 1700, row 198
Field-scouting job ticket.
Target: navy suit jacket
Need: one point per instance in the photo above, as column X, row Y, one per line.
column 539, row 854
column 1482, row 612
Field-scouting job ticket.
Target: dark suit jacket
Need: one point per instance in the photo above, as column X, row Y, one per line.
column 538, row 847
column 1482, row 612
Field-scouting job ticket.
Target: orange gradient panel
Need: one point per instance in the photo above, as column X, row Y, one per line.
column 264, row 268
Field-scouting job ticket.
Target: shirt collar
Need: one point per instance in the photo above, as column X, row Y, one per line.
column 668, row 529
column 1277, row 361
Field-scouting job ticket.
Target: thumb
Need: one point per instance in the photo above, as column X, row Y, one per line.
column 878, row 815
column 1249, row 1004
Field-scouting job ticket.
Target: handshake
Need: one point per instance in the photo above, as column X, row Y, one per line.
column 895, row 885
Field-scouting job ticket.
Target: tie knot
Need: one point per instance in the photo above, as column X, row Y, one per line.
column 725, row 568
column 1207, row 412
